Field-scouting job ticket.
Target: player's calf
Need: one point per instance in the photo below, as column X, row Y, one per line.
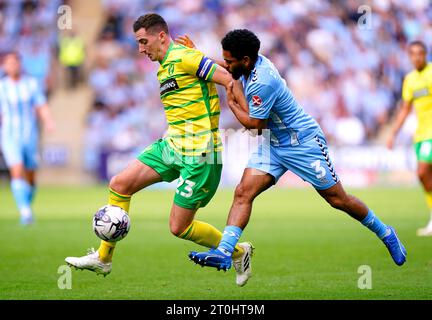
column 339, row 199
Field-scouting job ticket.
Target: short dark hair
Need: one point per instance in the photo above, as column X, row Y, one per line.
column 418, row 43
column 240, row 43
column 14, row 53
column 151, row 22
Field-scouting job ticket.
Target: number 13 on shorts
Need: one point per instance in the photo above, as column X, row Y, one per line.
column 188, row 185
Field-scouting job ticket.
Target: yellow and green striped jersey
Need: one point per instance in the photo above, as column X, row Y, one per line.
column 417, row 89
column 190, row 100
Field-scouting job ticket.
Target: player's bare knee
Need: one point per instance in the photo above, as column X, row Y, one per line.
column 113, row 183
column 176, row 229
column 119, row 185
column 17, row 172
column 425, row 176
column 427, row 184
column 243, row 195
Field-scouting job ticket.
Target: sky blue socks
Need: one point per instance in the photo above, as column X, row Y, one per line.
column 230, row 237
column 22, row 192
column 374, row 224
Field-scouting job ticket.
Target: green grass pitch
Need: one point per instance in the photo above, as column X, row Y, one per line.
column 304, row 248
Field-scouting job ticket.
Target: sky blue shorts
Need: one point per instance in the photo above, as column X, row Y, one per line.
column 309, row 160
column 21, row 153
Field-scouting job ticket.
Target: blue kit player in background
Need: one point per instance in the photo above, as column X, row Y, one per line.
column 296, row 143
column 22, row 104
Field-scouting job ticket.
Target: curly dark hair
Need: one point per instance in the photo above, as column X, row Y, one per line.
column 241, row 43
column 151, row 22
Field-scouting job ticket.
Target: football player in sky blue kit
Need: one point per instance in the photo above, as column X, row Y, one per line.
column 22, row 104
column 296, row 143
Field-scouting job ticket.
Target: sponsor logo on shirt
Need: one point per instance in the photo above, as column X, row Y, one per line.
column 168, row 85
column 420, row 93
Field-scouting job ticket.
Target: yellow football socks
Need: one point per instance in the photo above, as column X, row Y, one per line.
column 199, row 232
column 429, row 203
column 429, row 200
column 106, row 249
column 206, row 235
column 119, row 200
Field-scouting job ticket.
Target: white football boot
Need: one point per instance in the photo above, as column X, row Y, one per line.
column 243, row 264
column 90, row 262
column 425, row 232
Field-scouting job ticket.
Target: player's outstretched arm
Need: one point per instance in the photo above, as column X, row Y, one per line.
column 241, row 112
column 223, row 77
column 238, row 93
column 400, row 119
column 187, row 42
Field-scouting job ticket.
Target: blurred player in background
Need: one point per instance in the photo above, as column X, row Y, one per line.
column 191, row 150
column 296, row 143
column 417, row 92
column 22, row 105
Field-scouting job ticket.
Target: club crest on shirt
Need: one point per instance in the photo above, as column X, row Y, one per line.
column 256, row 101
column 171, row 69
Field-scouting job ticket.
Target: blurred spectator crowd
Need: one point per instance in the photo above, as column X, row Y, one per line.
column 343, row 61
column 30, row 27
column 344, row 65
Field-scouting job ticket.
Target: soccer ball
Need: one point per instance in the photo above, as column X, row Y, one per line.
column 111, row 223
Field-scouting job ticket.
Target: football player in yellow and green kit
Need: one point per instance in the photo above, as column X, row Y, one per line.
column 417, row 92
column 191, row 150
